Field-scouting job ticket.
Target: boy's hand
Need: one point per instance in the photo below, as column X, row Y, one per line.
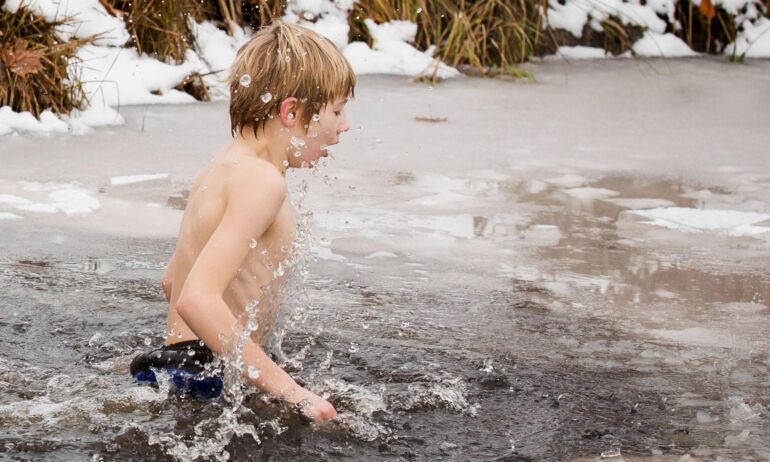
column 316, row 408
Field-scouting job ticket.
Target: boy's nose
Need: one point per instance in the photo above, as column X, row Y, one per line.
column 344, row 126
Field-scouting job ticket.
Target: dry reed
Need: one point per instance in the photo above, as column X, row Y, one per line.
column 34, row 63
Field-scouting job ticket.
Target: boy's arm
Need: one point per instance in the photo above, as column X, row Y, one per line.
column 200, row 302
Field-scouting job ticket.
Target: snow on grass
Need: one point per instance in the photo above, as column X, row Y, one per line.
column 88, row 17
column 119, row 76
column 391, row 52
column 728, row 222
column 581, row 52
column 131, row 179
column 666, row 45
column 217, row 50
column 574, row 15
column 753, row 41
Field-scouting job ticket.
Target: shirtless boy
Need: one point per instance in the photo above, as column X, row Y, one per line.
column 288, row 89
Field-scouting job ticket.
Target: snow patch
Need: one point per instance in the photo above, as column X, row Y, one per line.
column 131, row 179
column 10, row 216
column 729, row 222
column 66, row 198
column 666, row 45
column 591, row 193
column 640, row 202
column 581, row 52
column 753, row 41
column 392, row 54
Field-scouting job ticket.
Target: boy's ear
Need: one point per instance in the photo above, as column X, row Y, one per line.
column 289, row 111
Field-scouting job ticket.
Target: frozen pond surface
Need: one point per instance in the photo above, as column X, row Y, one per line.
column 562, row 269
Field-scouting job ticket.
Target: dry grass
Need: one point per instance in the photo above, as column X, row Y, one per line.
column 253, row 13
column 33, row 65
column 705, row 28
column 157, row 27
column 490, row 36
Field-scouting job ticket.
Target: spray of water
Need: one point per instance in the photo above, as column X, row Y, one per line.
column 284, row 305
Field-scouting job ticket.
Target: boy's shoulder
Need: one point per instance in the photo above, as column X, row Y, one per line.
column 251, row 176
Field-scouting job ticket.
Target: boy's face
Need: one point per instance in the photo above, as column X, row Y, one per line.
column 323, row 130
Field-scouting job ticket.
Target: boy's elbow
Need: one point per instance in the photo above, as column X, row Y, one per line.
column 187, row 305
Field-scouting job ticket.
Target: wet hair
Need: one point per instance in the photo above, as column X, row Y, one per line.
column 282, row 61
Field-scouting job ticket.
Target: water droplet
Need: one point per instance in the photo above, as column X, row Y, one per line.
column 287, row 58
column 201, row 343
column 263, row 252
column 353, row 348
column 179, row 335
column 316, row 117
column 253, row 243
column 285, row 163
column 308, row 15
column 269, row 266
column 147, row 341
column 266, row 97
column 290, row 116
column 378, row 141
column 284, row 248
column 253, row 373
column 245, row 80
column 419, row 10
column 190, row 352
column 297, row 154
column 297, row 142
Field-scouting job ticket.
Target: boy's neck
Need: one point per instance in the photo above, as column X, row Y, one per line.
column 267, row 148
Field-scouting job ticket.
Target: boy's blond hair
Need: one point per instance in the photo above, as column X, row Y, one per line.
column 285, row 60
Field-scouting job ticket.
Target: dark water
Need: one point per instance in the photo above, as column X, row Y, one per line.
column 425, row 358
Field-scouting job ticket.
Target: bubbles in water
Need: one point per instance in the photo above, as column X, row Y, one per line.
column 297, row 154
column 190, row 352
column 147, row 341
column 316, row 117
column 245, row 80
column 253, row 372
column 266, row 97
column 297, row 142
column 253, row 243
column 353, row 348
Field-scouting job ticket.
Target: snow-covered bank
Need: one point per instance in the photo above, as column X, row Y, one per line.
column 114, row 75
